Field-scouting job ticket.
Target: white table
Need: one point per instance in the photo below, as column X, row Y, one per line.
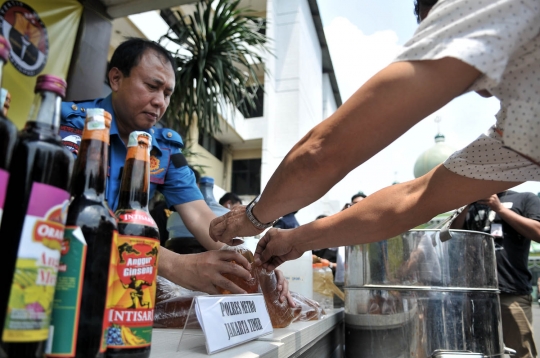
column 283, row 342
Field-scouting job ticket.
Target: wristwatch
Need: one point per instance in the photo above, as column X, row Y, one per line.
column 249, row 213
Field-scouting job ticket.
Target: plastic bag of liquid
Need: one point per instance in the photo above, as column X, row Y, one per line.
column 250, row 286
column 306, row 309
column 281, row 315
column 172, row 304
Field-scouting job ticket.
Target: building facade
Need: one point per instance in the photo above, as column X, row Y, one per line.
column 300, row 91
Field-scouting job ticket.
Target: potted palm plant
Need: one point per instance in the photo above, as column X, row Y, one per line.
column 221, row 50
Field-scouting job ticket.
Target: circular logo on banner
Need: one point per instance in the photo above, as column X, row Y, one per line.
column 27, row 35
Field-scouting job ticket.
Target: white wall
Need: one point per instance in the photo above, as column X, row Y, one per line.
column 329, row 101
column 295, row 91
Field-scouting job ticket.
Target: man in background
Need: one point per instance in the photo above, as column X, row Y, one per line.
column 514, row 220
column 230, row 200
column 358, row 197
column 287, row 221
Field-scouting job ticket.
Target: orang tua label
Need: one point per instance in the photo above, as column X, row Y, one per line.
column 136, row 217
column 131, row 300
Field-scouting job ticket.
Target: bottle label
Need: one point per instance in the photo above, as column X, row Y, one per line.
column 67, row 297
column 4, row 177
column 32, row 290
column 140, row 217
column 131, row 299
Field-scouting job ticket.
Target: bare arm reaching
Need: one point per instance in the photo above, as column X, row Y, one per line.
column 197, row 217
column 383, row 109
column 529, row 228
column 204, row 271
column 380, row 216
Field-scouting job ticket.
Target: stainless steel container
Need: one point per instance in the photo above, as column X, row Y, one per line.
column 415, row 296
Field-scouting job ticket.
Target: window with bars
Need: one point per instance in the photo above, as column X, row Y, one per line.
column 246, row 176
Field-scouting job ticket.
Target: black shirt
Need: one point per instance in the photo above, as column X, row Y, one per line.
column 287, row 222
column 512, row 250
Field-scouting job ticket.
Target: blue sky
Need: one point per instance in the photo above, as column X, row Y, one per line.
column 364, row 36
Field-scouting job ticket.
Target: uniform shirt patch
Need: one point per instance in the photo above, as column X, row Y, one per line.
column 178, row 160
column 159, row 164
column 154, row 166
column 71, row 138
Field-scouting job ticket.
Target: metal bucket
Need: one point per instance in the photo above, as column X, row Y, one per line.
column 415, row 296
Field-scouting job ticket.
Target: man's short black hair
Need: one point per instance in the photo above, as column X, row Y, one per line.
column 424, row 4
column 129, row 53
column 357, row 195
column 230, row 196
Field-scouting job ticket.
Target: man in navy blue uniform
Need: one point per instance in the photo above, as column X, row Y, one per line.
column 142, row 78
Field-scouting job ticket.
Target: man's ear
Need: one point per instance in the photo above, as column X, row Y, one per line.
column 115, row 78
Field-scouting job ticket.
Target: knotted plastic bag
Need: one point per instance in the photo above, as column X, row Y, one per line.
column 250, row 286
column 172, row 304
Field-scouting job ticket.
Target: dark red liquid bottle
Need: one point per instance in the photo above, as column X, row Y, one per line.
column 8, row 139
column 79, row 321
column 131, row 308
column 33, row 223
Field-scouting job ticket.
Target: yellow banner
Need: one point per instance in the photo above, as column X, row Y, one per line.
column 42, row 35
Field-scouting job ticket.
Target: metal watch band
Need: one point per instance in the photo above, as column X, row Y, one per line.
column 249, row 213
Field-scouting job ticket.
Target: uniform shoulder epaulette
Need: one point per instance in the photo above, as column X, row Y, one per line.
column 168, row 135
column 75, row 109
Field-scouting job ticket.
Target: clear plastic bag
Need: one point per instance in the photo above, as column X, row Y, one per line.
column 172, row 304
column 306, row 309
column 281, row 315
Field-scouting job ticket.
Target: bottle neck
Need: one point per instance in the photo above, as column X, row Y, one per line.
column 90, row 172
column 46, row 110
column 2, row 63
column 135, row 179
column 207, row 191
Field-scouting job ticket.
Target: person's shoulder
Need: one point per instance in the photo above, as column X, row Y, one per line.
column 530, row 196
column 168, row 137
column 73, row 114
column 522, row 195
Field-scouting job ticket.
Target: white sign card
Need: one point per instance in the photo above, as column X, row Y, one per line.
column 230, row 320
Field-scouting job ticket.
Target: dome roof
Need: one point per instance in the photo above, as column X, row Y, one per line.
column 433, row 156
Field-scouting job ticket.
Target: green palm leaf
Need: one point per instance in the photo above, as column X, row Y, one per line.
column 221, row 51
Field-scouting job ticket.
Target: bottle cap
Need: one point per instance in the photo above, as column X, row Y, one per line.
column 207, row 180
column 51, row 83
column 317, row 265
column 4, row 49
column 139, row 136
column 325, row 262
column 97, row 118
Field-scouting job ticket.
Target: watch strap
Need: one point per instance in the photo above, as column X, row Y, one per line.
column 249, row 213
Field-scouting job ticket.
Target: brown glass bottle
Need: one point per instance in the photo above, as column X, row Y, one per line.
column 85, row 259
column 33, row 223
column 8, row 138
column 131, row 307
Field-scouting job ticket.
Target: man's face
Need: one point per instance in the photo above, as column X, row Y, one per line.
column 140, row 100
